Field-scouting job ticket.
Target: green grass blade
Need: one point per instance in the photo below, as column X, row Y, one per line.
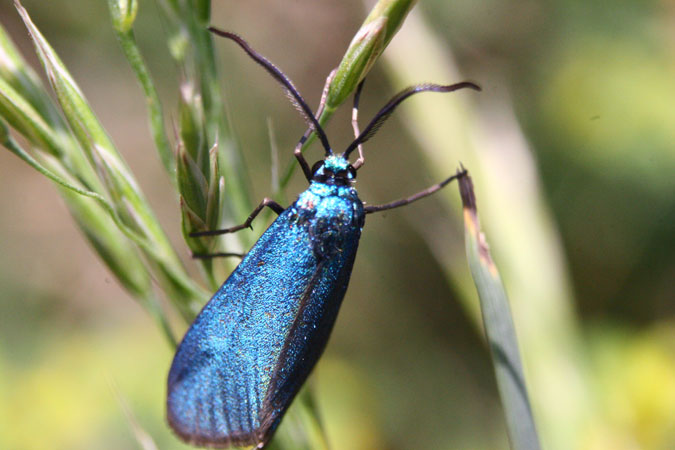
column 134, row 281
column 499, row 328
column 29, row 109
column 120, row 258
column 122, row 188
column 21, row 115
column 20, row 76
column 123, row 14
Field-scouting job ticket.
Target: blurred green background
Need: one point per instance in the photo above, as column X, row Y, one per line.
column 578, row 109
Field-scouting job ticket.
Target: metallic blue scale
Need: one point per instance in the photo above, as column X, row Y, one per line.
column 251, row 348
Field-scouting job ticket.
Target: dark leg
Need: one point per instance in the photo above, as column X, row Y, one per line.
column 216, row 255
column 301, row 159
column 406, row 201
column 298, row 148
column 267, row 202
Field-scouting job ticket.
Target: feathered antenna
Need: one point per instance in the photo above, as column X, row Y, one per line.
column 389, row 108
column 297, row 100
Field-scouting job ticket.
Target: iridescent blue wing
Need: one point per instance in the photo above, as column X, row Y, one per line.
column 250, row 349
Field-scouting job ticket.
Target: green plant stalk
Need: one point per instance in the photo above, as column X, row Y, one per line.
column 377, row 30
column 24, row 102
column 125, row 36
column 203, row 127
column 45, row 129
column 198, row 179
column 201, row 67
column 499, row 329
column 198, row 131
column 120, row 183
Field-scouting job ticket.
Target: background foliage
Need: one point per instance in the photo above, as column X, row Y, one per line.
column 576, row 113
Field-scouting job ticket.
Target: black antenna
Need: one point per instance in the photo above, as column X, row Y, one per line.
column 284, row 80
column 389, row 108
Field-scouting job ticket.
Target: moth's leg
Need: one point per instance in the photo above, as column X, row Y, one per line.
column 267, row 202
column 298, row 148
column 406, row 201
column 355, row 124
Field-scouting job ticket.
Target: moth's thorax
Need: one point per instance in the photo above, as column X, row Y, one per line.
column 333, row 215
column 323, row 200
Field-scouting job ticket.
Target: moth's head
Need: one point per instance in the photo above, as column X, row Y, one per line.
column 334, row 170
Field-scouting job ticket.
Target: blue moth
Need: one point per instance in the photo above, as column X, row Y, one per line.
column 251, row 348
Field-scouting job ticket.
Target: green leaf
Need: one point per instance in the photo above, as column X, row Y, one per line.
column 192, row 184
column 499, row 329
column 193, row 132
column 216, row 188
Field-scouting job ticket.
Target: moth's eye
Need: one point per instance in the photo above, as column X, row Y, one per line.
column 352, row 172
column 317, row 165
